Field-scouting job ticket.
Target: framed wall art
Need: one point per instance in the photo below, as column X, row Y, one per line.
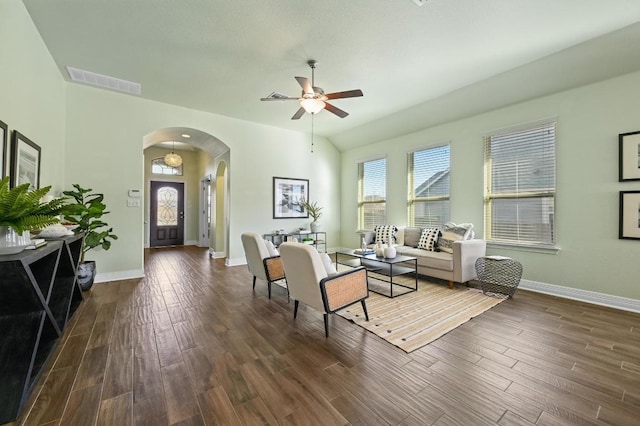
column 629, row 161
column 630, row 215
column 3, row 141
column 25, row 161
column 287, row 194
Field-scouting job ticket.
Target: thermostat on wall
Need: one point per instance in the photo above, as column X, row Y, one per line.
column 134, row 193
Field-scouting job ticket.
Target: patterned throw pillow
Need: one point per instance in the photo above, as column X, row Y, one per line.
column 428, row 239
column 386, row 234
column 452, row 232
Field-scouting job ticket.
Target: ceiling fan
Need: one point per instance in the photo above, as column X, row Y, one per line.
column 313, row 99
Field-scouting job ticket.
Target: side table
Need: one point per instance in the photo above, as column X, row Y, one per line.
column 499, row 275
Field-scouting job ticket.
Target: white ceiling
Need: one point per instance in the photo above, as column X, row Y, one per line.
column 444, row 59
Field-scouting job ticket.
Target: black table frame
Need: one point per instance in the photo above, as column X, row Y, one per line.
column 388, row 267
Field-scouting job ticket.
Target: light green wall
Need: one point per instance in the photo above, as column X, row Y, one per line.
column 31, row 91
column 589, row 120
column 109, row 127
column 191, row 169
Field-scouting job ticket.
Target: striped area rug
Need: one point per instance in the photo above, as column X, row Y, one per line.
column 413, row 320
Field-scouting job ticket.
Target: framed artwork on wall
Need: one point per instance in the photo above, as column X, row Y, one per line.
column 630, row 215
column 3, row 141
column 25, row 161
column 629, row 161
column 287, row 194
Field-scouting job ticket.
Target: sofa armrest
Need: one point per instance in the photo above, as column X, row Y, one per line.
column 344, row 289
column 465, row 254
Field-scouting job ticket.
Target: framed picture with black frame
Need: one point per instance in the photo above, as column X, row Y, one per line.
column 629, row 156
column 25, row 161
column 287, row 196
column 3, row 140
column 629, row 215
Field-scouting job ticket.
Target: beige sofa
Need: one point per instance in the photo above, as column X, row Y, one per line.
column 456, row 267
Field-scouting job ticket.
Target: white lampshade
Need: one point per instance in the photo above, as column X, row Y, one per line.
column 172, row 159
column 311, row 105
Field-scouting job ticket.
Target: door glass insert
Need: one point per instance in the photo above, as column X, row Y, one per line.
column 167, row 206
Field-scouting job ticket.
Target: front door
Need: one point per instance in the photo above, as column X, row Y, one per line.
column 166, row 214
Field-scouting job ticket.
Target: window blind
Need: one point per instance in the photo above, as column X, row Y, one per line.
column 429, row 183
column 372, row 195
column 520, row 185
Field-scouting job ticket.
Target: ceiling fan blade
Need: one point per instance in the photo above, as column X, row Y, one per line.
column 337, row 111
column 279, row 99
column 346, row 94
column 306, row 85
column 299, row 113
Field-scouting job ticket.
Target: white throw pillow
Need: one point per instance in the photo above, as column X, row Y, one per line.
column 273, row 251
column 328, row 264
column 386, row 234
column 428, row 239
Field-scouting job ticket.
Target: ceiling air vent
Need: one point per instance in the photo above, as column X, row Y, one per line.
column 104, row 81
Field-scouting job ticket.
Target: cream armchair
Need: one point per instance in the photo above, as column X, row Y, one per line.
column 310, row 284
column 261, row 264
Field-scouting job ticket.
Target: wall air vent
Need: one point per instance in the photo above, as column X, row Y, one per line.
column 104, row 81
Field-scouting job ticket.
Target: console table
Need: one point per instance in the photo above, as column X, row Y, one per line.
column 319, row 238
column 39, row 295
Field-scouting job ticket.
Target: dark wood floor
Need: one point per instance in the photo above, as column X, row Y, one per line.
column 192, row 344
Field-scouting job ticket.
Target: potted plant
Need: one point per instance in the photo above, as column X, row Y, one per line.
column 307, row 240
column 21, row 211
column 315, row 212
column 86, row 213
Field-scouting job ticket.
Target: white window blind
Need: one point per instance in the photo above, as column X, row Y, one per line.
column 372, row 193
column 520, row 185
column 429, row 182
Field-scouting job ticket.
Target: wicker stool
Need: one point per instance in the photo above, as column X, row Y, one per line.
column 498, row 275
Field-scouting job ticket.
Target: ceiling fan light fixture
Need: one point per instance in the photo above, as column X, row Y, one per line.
column 312, row 105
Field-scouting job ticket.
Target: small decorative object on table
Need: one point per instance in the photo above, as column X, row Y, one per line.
column 389, row 252
column 498, row 275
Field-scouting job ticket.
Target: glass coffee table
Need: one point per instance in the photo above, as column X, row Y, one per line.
column 389, row 277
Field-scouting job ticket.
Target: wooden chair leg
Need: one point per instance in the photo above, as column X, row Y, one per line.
column 450, row 284
column 326, row 324
column 295, row 308
column 364, row 308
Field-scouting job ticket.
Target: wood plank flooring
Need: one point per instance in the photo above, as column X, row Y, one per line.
column 192, row 344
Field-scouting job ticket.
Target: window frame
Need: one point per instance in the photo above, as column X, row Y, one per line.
column 159, row 161
column 412, row 199
column 361, row 192
column 489, row 196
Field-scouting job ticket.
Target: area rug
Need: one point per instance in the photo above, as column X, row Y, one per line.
column 413, row 320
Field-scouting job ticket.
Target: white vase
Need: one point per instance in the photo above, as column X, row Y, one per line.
column 379, row 249
column 390, row 252
column 11, row 242
column 315, row 226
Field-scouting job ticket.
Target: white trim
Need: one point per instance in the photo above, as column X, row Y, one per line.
column 191, row 243
column 617, row 302
column 236, row 261
column 217, row 254
column 120, row 275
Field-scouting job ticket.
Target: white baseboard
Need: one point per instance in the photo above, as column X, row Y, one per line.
column 217, row 254
column 120, row 275
column 236, row 261
column 617, row 302
column 192, row 243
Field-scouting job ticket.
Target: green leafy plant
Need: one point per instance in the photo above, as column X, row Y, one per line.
column 87, row 212
column 314, row 210
column 22, row 209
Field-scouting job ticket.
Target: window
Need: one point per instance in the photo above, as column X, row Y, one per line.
column 372, row 182
column 159, row 167
column 428, row 174
column 520, row 185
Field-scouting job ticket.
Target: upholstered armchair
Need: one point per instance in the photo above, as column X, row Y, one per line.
column 268, row 267
column 309, row 282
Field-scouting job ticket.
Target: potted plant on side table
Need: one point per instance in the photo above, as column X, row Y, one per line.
column 21, row 211
column 87, row 212
column 315, row 212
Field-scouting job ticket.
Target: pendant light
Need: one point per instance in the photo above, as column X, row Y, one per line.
column 172, row 159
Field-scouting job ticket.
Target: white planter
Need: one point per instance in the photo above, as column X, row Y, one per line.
column 11, row 242
column 390, row 252
column 315, row 226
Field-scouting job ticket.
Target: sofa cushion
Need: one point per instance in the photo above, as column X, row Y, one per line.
column 428, row 239
column 452, row 232
column 412, row 236
column 385, row 234
column 428, row 259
